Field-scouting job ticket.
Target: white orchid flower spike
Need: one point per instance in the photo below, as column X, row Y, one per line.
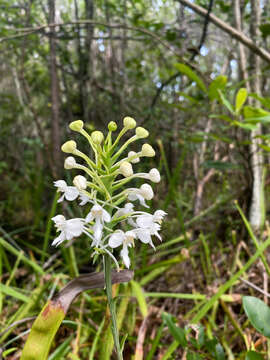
column 102, row 187
column 103, row 183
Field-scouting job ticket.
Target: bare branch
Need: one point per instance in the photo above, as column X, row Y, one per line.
column 33, row 30
column 229, row 30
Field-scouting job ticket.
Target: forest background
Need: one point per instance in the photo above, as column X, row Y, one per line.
column 195, row 74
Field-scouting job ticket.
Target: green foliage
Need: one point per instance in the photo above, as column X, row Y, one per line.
column 186, row 70
column 253, row 355
column 176, row 331
column 219, row 83
column 258, row 313
column 240, row 99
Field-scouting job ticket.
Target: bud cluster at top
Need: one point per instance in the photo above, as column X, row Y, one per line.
column 102, row 187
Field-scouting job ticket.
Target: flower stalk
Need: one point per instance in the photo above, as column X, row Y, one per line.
column 111, row 303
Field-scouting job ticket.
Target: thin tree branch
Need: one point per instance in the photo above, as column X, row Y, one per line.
column 238, row 35
column 33, row 30
column 204, row 33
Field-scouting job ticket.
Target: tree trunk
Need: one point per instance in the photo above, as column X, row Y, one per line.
column 256, row 215
column 55, row 94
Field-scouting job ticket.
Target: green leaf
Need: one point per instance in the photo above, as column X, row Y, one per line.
column 190, row 98
column 225, row 102
column 245, row 126
column 139, row 294
column 241, row 97
column 176, row 331
column 201, row 336
column 186, row 70
column 218, row 84
column 251, row 112
column 222, row 117
column 253, row 355
column 258, row 313
column 214, row 347
column 265, row 101
column 265, row 29
column 264, row 147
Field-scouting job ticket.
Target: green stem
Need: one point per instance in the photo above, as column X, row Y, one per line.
column 111, row 303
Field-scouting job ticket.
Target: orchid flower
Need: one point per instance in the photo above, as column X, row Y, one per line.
column 70, row 192
column 68, row 228
column 145, row 192
column 126, row 239
column 100, row 216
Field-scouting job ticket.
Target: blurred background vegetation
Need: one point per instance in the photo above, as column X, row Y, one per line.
column 195, row 74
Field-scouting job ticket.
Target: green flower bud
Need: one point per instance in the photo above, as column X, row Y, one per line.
column 141, row 132
column 70, row 163
column 76, row 125
column 69, row 146
column 112, row 126
column 147, row 150
column 129, row 122
column 126, row 169
column 97, row 137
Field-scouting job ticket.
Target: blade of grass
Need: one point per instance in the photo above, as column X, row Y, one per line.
column 49, row 227
column 155, row 343
column 14, row 269
column 230, row 282
column 8, row 290
column 253, row 237
column 16, row 252
column 175, row 295
column 96, row 339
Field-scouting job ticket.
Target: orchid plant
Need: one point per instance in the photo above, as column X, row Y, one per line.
column 103, row 191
